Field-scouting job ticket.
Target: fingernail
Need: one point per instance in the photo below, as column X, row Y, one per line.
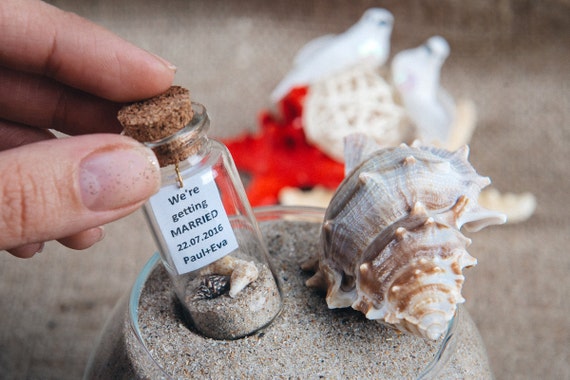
column 114, row 178
column 102, row 233
column 169, row 65
column 98, row 234
column 27, row 251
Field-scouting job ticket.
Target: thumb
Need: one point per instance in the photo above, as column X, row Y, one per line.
column 57, row 188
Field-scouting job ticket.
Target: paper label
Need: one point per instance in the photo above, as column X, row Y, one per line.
column 193, row 222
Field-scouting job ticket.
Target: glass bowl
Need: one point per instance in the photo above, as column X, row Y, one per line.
column 123, row 349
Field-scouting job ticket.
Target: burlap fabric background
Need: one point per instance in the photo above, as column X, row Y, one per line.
column 510, row 57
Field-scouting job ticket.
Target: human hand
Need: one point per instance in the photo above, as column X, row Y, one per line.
column 61, row 72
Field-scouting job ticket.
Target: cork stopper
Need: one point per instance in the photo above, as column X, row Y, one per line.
column 157, row 118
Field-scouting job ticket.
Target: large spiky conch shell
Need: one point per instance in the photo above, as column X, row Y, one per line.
column 391, row 241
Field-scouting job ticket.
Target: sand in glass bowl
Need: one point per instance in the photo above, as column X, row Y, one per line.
column 147, row 336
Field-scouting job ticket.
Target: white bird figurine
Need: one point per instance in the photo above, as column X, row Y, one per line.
column 367, row 40
column 416, row 75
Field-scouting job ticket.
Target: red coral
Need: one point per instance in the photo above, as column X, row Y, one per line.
column 280, row 156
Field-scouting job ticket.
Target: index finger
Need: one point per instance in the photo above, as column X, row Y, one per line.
column 40, row 38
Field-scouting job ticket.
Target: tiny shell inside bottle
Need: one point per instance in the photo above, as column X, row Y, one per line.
column 208, row 238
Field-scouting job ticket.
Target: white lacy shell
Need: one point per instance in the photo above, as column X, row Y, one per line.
column 358, row 100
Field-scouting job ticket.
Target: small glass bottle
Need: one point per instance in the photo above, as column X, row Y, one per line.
column 208, row 237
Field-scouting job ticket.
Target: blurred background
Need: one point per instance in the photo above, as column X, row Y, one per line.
column 511, row 57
